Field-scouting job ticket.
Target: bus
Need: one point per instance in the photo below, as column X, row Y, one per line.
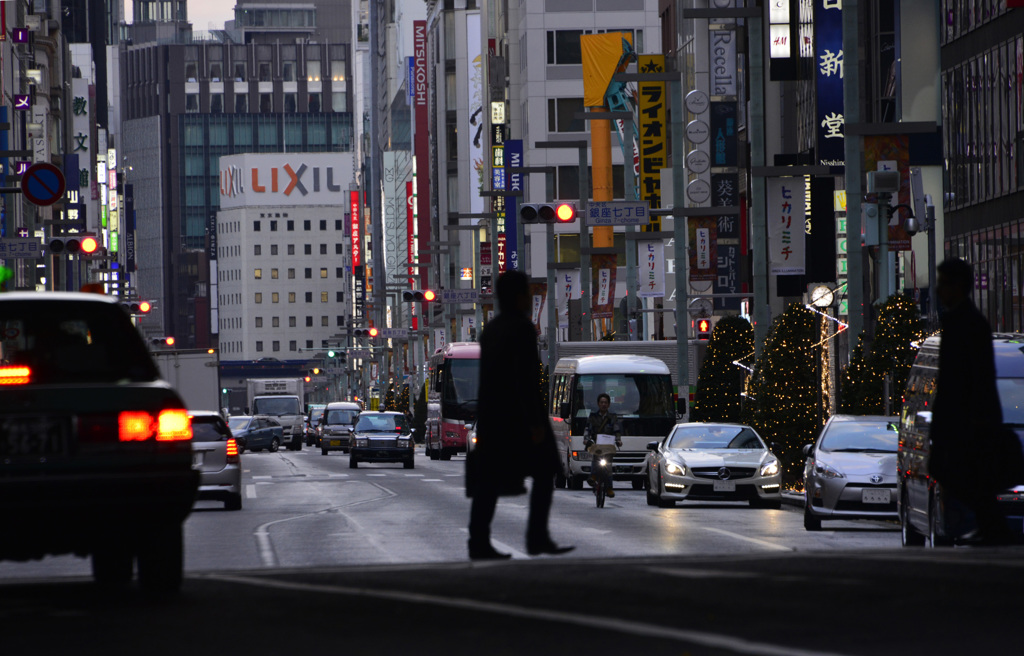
column 454, row 372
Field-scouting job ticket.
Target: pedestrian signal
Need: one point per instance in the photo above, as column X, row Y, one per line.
column 703, row 328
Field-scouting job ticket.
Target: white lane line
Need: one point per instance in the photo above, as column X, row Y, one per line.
column 250, row 491
column 257, row 477
column 452, row 475
column 376, row 474
column 431, row 480
column 629, row 627
column 415, row 474
column 763, row 543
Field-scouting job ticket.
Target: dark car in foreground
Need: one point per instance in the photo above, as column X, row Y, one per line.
column 215, row 454
column 256, row 433
column 95, row 449
column 382, row 437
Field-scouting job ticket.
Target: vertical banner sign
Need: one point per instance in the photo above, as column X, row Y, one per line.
column 568, row 289
column 723, row 134
column 828, row 60
column 410, row 230
column 652, row 133
column 354, row 221
column 485, row 267
column 728, row 237
column 603, row 268
column 130, row 262
column 786, row 205
column 477, row 114
column 410, row 83
column 513, row 159
column 703, row 252
column 421, row 143
column 73, row 216
column 651, row 261
column 359, row 284
column 538, row 294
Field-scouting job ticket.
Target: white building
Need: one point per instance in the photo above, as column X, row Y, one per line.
column 283, row 278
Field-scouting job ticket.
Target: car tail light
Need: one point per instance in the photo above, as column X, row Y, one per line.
column 168, row 426
column 232, row 449
column 15, row 375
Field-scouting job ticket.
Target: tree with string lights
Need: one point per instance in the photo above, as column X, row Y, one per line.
column 860, row 387
column 390, row 403
column 720, row 382
column 784, row 392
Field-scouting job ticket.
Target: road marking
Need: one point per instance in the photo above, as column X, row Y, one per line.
column 453, row 474
column 764, row 543
column 431, row 480
column 250, row 491
column 376, row 474
column 415, row 474
column 258, row 477
column 630, row 627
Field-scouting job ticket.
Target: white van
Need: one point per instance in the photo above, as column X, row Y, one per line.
column 641, row 394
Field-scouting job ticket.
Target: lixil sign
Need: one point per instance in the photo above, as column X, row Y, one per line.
column 284, row 179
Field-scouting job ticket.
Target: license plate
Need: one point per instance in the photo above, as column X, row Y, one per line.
column 32, row 436
column 874, row 496
column 725, row 486
column 197, row 459
column 335, row 442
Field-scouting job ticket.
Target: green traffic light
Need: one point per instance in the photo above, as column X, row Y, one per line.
column 330, row 354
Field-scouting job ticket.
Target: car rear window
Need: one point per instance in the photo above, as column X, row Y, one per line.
column 66, row 341
column 860, row 436
column 209, row 430
column 347, row 417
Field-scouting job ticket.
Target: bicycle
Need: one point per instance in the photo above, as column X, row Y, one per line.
column 604, row 453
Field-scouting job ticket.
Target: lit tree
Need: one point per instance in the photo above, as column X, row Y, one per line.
column 720, row 382
column 403, row 398
column 860, row 387
column 389, row 398
column 786, row 386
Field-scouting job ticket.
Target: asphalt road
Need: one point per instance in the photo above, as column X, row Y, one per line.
column 325, row 559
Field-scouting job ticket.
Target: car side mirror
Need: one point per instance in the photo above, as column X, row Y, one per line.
column 652, row 446
column 808, row 449
column 563, row 410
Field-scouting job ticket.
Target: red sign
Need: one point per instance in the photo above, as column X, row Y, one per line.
column 357, row 242
column 421, row 144
column 485, row 253
column 43, row 184
column 502, row 263
column 410, row 230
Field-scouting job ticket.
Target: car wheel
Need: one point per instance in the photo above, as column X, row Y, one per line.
column 160, row 559
column 353, row 463
column 275, row 444
column 233, row 503
column 446, row 454
column 409, row 464
column 575, row 482
column 112, row 565
column 323, row 451
column 909, row 535
column 638, row 483
column 811, row 523
column 935, row 536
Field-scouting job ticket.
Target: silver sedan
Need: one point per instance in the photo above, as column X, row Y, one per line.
column 713, row 462
column 850, row 472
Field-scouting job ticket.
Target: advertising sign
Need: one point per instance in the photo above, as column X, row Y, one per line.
column 651, row 261
column 354, row 221
column 703, row 255
column 603, row 268
column 652, row 129
column 568, row 289
column 421, row 144
column 477, row 115
column 785, row 209
column 284, row 179
column 828, row 54
column 513, row 159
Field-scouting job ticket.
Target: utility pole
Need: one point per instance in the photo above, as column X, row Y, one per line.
column 852, row 157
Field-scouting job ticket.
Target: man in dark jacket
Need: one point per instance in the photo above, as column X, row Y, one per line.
column 967, row 414
column 514, row 437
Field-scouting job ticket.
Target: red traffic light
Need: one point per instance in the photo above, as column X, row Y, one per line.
column 89, row 245
column 145, row 307
column 169, row 340
column 429, row 295
column 565, row 213
column 373, row 332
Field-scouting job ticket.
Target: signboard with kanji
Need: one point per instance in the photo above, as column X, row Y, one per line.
column 617, row 212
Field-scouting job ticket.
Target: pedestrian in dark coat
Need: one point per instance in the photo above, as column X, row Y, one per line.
column 514, row 436
column 967, row 414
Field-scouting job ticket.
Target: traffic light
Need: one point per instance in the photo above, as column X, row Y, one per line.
column 73, row 245
column 137, row 307
column 703, row 328
column 547, row 213
column 162, row 341
column 331, row 353
column 366, row 332
column 417, row 295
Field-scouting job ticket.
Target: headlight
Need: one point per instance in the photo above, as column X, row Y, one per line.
column 403, row 442
column 675, row 470
column 821, row 469
column 770, row 468
column 362, row 441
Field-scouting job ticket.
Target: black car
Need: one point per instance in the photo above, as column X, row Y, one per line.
column 95, row 449
column 382, row 437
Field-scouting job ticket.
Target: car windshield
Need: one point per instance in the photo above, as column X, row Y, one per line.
column 73, row 342
column 208, row 429
column 239, row 423
column 715, row 437
column 643, row 402
column 1011, row 396
column 369, row 423
column 345, row 417
column 315, row 414
column 276, row 406
column 873, row 436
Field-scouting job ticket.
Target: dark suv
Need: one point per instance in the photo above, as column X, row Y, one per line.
column 381, row 437
column 95, row 449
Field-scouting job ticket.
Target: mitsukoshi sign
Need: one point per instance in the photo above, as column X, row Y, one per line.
column 285, row 179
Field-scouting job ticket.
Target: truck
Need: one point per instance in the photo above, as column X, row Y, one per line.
column 281, row 398
column 194, row 373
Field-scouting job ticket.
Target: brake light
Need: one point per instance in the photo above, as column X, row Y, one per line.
column 15, row 375
column 134, row 426
column 173, row 425
column 232, row 447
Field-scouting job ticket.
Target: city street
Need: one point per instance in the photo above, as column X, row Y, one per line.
column 373, row 559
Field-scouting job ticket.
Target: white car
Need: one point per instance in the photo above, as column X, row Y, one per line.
column 713, row 462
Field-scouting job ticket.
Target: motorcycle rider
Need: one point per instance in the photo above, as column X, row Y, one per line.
column 602, row 422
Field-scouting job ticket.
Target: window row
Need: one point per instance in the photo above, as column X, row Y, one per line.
column 266, row 71
column 257, row 249
column 289, row 103
column 275, row 297
column 257, row 225
column 275, row 322
column 339, row 272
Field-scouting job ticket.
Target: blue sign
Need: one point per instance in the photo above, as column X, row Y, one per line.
column 410, row 83
column 513, row 159
column 43, row 184
column 828, row 66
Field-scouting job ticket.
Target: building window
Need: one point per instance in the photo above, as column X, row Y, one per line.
column 259, row 297
column 309, row 297
column 276, row 345
column 323, row 249
column 324, row 322
column 339, row 101
column 564, row 46
column 323, row 274
column 275, row 297
column 239, row 69
column 264, row 71
column 291, row 249
column 307, row 225
column 340, row 320
column 257, row 274
column 337, row 70
column 241, row 103
column 290, row 225
column 259, row 322
column 338, row 225
column 259, row 346
column 273, row 274
column 309, row 322
column 339, row 297
column 266, row 103
column 291, row 274
column 290, row 102
column 562, row 115
column 256, row 249
column 309, row 343
column 275, row 322
column 315, row 102
column 288, row 71
column 192, row 102
column 452, row 137
column 192, row 71
column 339, row 272
column 313, row 71
column 291, row 297
column 216, row 103
column 339, row 249
column 273, row 226
column 309, row 273
column 273, row 249
column 255, row 226
column 323, row 224
column 292, row 346
column 307, row 249
column 291, row 322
